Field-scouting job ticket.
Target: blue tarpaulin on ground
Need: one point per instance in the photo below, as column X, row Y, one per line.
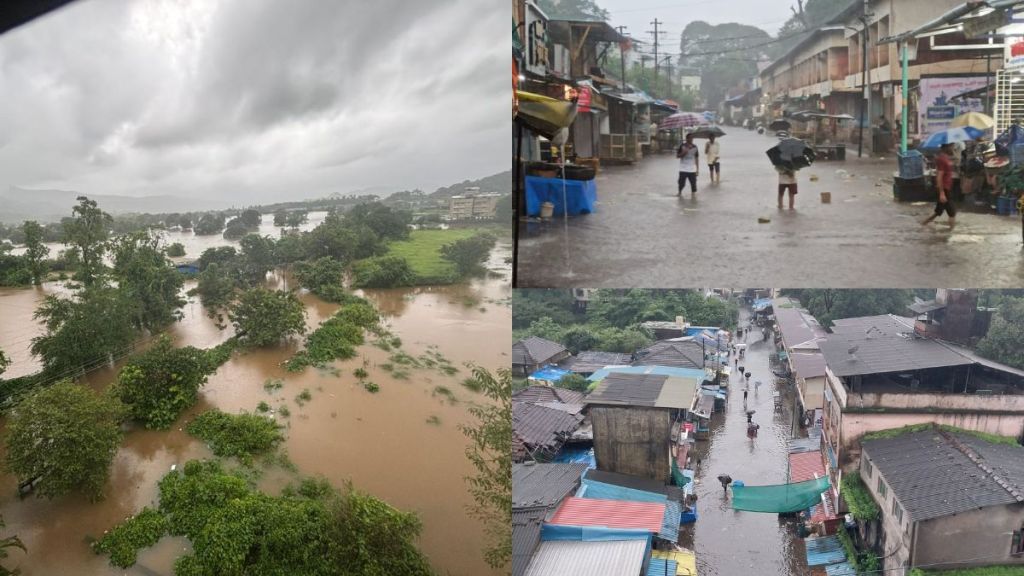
column 840, row 569
column 550, row 373
column 762, row 304
column 581, row 195
column 825, row 550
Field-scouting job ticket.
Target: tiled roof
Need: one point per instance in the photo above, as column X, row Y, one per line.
column 537, row 394
column 544, row 484
column 540, row 427
column 534, row 350
column 932, row 474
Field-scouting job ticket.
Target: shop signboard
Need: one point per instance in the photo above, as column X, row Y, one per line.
column 939, row 102
column 1014, row 53
column 583, row 100
column 536, row 40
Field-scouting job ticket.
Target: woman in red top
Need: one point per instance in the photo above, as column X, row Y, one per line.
column 944, row 185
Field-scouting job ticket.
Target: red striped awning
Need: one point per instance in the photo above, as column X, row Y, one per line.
column 610, row 514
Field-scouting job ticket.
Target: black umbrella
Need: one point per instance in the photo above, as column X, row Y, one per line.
column 706, row 131
column 780, row 125
column 792, row 154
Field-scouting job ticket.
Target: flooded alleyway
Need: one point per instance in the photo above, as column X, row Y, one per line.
column 643, row 235
column 729, row 542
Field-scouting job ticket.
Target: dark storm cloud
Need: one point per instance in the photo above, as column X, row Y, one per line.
column 271, row 97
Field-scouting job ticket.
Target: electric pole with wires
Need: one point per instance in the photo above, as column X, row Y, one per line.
column 657, row 34
column 622, row 56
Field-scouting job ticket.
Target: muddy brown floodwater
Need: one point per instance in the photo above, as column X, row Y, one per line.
column 382, row 442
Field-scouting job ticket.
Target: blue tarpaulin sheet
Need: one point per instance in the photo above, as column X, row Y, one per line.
column 840, row 569
column 825, row 550
column 670, row 524
column 660, row 567
column 550, row 373
column 581, row 195
column 762, row 304
column 576, row 455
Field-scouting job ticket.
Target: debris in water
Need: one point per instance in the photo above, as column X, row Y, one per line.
column 814, row 178
column 763, row 220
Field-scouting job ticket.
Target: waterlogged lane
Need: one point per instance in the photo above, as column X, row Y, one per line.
column 382, row 442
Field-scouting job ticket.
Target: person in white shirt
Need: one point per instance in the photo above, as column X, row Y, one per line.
column 787, row 180
column 688, row 166
column 711, row 152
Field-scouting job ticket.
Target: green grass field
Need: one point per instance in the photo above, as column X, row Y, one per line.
column 423, row 250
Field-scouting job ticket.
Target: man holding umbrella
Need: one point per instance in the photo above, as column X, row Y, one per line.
column 944, row 186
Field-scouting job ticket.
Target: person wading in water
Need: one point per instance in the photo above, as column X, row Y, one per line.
column 688, row 167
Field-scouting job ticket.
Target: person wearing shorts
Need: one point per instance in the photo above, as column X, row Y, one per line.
column 688, row 164
column 944, row 186
column 787, row 182
column 714, row 166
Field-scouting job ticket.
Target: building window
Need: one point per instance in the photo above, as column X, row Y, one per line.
column 1017, row 544
column 868, row 468
column 882, row 489
column 897, row 511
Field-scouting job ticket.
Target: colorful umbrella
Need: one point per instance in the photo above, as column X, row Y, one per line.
column 682, row 120
column 974, row 120
column 950, row 135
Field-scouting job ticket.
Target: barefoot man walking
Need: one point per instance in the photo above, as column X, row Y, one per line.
column 944, row 186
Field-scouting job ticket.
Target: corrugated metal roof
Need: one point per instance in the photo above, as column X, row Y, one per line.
column 526, row 525
column 534, row 350
column 805, row 445
column 686, row 562
column 662, row 567
column 677, row 393
column 795, row 325
column 886, row 322
column 705, row 406
column 537, row 394
column 610, row 513
column 824, row 550
column 568, row 558
column 567, row 408
column 601, row 491
column 696, row 373
column 808, row 365
column 805, row 466
column 544, row 484
column 931, row 477
column 670, row 521
column 588, row 362
column 925, row 306
column 883, row 350
column 840, row 569
column 635, row 482
column 686, row 354
column 628, row 390
column 538, row 427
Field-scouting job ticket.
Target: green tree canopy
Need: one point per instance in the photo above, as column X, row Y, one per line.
column 85, row 330
column 146, row 278
column 176, row 250
column 264, row 317
column 491, row 486
column 209, row 224
column 385, row 221
column 1005, row 339
column 64, row 436
column 324, row 271
column 86, row 232
column 35, row 251
column 469, row 254
column 573, row 9
column 162, row 382
column 828, row 304
column 257, row 258
column 388, row 271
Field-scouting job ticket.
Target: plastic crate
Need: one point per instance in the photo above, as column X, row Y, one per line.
column 1017, row 154
column 911, row 164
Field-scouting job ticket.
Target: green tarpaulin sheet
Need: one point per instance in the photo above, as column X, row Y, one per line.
column 779, row 497
column 678, row 478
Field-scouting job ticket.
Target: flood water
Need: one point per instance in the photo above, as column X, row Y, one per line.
column 382, row 442
column 726, row 541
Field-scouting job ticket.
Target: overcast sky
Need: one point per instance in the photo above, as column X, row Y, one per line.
column 637, row 15
column 261, row 98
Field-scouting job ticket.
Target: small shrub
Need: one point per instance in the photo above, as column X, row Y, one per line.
column 434, row 420
column 124, row 541
column 445, row 392
column 263, row 407
column 284, row 411
column 303, row 397
column 272, row 385
column 371, row 387
column 360, row 373
column 241, row 435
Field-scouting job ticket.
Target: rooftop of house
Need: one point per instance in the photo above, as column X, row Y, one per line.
column 796, row 326
column 538, row 394
column 935, row 472
column 678, row 354
column 541, row 428
column 535, row 350
column 539, row 484
column 588, row 362
column 644, row 390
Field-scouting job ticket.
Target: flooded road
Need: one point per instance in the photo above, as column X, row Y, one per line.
column 401, row 444
column 642, row 235
column 729, row 542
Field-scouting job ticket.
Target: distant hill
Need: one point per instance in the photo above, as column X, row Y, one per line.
column 501, row 183
column 20, row 204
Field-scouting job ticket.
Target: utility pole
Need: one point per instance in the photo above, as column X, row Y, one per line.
column 656, row 33
column 865, row 122
column 622, row 57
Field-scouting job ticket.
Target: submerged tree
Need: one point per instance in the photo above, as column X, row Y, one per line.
column 468, row 254
column 263, row 317
column 490, row 454
column 146, row 278
column 86, row 232
column 63, row 438
column 35, row 251
column 86, row 330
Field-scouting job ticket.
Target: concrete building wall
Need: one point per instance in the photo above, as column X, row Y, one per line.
column 896, row 543
column 631, row 440
column 987, row 533
column 812, row 390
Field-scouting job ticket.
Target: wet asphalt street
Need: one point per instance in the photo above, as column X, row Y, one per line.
column 729, row 542
column 643, row 235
